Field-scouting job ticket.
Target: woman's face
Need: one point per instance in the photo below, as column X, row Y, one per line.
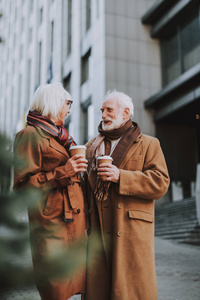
column 65, row 110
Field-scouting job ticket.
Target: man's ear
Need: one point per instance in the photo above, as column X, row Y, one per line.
column 126, row 113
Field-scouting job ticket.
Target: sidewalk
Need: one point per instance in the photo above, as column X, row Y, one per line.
column 177, row 268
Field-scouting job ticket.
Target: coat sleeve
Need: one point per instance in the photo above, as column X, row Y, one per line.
column 28, row 166
column 150, row 183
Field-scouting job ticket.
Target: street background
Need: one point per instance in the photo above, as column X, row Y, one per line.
column 177, row 268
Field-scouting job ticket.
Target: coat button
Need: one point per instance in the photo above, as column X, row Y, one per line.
column 119, row 233
column 119, row 205
column 78, row 211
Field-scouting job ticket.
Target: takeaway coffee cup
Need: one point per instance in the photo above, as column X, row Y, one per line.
column 102, row 160
column 78, row 149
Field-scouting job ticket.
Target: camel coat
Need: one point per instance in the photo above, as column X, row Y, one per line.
column 126, row 267
column 58, row 218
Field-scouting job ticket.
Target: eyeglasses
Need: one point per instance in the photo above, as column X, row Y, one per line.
column 69, row 103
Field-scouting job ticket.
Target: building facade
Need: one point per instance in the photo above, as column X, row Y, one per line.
column 176, row 24
column 89, row 45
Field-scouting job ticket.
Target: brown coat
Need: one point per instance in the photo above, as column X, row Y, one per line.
column 126, row 270
column 45, row 168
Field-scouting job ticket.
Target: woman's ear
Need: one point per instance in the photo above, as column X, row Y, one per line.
column 126, row 113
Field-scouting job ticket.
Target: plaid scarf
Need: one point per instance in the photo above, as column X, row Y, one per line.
column 58, row 132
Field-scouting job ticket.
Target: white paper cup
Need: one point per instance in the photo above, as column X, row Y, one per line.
column 78, row 149
column 102, row 160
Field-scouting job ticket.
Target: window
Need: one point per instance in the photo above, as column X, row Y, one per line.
column 88, row 14
column 97, row 8
column 22, row 24
column 21, row 52
column 67, row 122
column 29, row 80
column 69, row 27
column 31, row 3
column 67, row 83
column 170, row 59
column 88, row 120
column 52, row 36
column 40, row 63
column 30, row 35
column 41, row 15
column 181, row 50
column 19, row 97
column 190, row 43
column 85, row 66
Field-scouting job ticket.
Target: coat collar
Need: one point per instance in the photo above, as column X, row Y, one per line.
column 52, row 142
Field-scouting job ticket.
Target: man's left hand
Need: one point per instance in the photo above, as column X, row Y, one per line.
column 110, row 172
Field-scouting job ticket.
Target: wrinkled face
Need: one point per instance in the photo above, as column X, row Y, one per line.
column 112, row 115
column 65, row 110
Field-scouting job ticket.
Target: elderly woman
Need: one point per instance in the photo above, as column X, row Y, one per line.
column 58, row 217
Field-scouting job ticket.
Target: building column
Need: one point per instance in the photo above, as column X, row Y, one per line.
column 198, row 169
column 198, row 193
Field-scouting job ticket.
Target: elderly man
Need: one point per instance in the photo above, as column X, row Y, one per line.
column 121, row 205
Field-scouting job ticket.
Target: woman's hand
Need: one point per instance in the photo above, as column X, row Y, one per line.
column 75, row 164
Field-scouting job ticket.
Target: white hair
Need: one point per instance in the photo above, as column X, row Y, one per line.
column 124, row 100
column 48, row 99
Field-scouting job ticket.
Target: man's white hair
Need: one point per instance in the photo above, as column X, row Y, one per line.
column 124, row 100
column 48, row 99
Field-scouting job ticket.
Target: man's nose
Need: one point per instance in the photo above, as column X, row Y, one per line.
column 104, row 115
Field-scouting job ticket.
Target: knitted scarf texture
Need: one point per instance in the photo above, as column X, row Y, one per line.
column 58, row 132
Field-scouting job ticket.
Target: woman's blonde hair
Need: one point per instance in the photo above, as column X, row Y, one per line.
column 48, row 99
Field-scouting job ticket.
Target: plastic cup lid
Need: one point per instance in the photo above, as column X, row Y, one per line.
column 105, row 157
column 77, row 147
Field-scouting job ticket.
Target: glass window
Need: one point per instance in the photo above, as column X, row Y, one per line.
column 69, row 27
column 171, row 66
column 40, row 63
column 30, row 35
column 67, row 83
column 41, row 15
column 190, row 42
column 180, row 51
column 87, row 120
column 97, row 8
column 85, row 67
column 88, row 14
column 52, row 36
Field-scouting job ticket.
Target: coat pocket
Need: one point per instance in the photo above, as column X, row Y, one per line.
column 51, row 200
column 141, row 215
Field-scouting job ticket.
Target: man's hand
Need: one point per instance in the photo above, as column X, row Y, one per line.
column 75, row 164
column 110, row 171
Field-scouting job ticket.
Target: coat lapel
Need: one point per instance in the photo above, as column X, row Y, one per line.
column 56, row 146
column 53, row 143
column 130, row 152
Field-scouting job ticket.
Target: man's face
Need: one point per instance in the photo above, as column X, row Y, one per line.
column 112, row 115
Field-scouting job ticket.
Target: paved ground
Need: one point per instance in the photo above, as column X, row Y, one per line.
column 178, row 271
column 178, row 274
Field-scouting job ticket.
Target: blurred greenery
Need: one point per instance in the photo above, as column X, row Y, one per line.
column 15, row 264
column 15, row 259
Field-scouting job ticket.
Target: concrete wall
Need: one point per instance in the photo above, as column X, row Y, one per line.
column 132, row 57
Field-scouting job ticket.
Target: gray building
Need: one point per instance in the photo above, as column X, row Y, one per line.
column 176, row 106
column 89, row 45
